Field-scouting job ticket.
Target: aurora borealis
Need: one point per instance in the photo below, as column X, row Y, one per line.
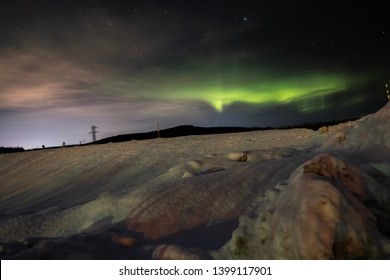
column 124, row 65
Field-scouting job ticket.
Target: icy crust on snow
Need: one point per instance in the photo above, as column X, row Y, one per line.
column 66, row 177
column 326, row 211
column 167, row 190
column 158, row 209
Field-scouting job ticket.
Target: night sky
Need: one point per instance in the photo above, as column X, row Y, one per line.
column 124, row 65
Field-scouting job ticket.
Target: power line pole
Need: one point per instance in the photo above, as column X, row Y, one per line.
column 158, row 129
column 93, row 132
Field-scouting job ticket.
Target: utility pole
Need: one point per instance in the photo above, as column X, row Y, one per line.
column 158, row 129
column 93, row 132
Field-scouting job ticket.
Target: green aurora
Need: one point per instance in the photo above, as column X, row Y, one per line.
column 263, row 92
column 222, row 88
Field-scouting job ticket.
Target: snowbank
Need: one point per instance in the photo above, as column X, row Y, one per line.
column 326, row 211
column 366, row 138
column 334, row 206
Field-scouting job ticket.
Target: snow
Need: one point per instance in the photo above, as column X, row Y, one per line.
column 320, row 214
column 276, row 194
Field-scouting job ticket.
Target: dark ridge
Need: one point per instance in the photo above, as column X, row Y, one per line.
column 7, row 150
column 183, row 130
column 186, row 130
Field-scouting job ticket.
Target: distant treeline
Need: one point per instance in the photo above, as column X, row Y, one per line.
column 7, row 150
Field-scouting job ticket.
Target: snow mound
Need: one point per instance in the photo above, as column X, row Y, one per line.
column 326, row 211
column 368, row 137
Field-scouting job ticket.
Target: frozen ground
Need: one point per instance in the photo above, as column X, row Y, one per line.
column 277, row 194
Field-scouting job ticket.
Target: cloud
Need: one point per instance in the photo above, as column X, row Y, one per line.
column 38, row 78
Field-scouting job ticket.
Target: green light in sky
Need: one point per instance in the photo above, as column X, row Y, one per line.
column 263, row 92
column 222, row 88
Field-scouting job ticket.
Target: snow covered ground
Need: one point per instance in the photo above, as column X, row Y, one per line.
column 277, row 194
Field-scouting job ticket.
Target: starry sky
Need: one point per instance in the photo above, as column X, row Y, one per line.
column 124, row 65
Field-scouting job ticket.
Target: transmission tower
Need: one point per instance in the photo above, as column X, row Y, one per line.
column 93, row 132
